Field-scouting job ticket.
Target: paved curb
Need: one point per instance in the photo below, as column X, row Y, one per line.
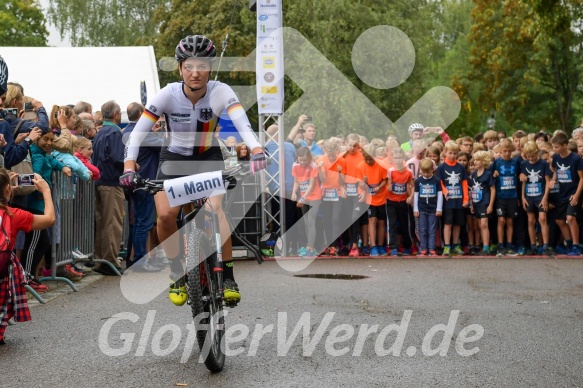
column 58, row 289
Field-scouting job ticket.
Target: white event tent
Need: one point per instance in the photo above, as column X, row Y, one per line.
column 67, row 75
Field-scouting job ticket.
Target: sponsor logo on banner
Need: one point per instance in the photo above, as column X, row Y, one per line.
column 269, row 89
column 269, row 57
column 269, row 77
column 269, row 62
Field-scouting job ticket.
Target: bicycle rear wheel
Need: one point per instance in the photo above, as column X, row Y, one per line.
column 204, row 299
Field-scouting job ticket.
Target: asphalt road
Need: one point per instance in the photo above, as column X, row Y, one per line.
column 521, row 318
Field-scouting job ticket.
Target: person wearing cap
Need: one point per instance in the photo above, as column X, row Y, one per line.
column 417, row 130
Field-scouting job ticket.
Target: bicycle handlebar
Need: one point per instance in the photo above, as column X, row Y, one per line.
column 230, row 175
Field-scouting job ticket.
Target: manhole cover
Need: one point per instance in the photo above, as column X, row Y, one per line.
column 332, row 276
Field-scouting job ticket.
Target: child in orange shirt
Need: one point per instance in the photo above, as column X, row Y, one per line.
column 400, row 188
column 372, row 179
column 305, row 173
column 353, row 157
column 330, row 174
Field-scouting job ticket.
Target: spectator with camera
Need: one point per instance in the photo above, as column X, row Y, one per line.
column 307, row 130
column 18, row 133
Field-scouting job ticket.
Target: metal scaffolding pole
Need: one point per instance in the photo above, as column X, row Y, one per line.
column 268, row 198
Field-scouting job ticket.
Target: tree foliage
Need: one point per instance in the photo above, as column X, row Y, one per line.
column 22, row 24
column 527, row 56
column 105, row 22
column 518, row 58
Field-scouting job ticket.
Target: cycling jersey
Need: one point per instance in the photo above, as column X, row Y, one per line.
column 191, row 128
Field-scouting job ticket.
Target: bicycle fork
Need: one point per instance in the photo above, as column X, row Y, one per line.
column 218, row 262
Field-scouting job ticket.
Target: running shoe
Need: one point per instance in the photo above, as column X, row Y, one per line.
column 432, row 253
column 511, row 252
column 575, row 251
column 446, row 251
column 354, row 252
column 521, row 251
column 72, row 271
column 422, row 253
column 382, row 250
column 35, row 285
column 548, row 252
column 394, row 252
column 457, row 251
column 374, row 252
column 302, row 251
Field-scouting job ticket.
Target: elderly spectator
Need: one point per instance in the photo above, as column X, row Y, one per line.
column 108, row 155
column 82, row 107
column 88, row 130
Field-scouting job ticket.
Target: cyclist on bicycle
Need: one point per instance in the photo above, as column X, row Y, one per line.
column 191, row 109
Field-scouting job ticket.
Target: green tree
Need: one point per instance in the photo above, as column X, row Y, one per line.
column 105, row 22
column 22, row 24
column 527, row 56
column 332, row 27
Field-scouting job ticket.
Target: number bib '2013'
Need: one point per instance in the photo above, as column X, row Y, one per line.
column 304, row 186
column 454, row 192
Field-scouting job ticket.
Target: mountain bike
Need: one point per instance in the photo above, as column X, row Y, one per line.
column 199, row 230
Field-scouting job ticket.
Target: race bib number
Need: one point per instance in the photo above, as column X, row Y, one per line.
column 454, row 192
column 399, row 188
column 534, row 189
column 371, row 188
column 508, row 183
column 427, row 191
column 554, row 190
column 476, row 195
column 351, row 190
column 564, row 176
column 304, row 186
column 330, row 195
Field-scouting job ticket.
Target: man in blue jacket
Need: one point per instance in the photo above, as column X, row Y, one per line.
column 108, row 156
column 289, row 154
column 140, row 202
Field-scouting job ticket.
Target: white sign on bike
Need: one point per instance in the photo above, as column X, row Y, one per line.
column 183, row 190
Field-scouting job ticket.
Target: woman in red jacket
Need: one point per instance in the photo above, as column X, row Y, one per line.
column 12, row 293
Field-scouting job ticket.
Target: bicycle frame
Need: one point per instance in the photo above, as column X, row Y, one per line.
column 199, row 215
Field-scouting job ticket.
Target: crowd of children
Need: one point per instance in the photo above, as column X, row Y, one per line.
column 432, row 195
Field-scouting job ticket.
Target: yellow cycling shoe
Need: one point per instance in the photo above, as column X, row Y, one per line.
column 177, row 292
column 231, row 292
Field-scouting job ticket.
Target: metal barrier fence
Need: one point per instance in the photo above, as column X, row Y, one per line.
column 74, row 230
column 73, row 236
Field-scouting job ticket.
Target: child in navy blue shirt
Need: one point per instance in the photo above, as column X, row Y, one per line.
column 483, row 195
column 454, row 185
column 568, row 175
column 427, row 206
column 505, row 171
column 535, row 174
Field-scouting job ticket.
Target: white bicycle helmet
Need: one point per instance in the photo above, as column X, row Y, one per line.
column 416, row 127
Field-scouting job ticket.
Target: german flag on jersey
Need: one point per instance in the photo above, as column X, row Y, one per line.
column 150, row 116
column 205, row 134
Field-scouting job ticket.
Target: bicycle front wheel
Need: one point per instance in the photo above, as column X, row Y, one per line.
column 205, row 300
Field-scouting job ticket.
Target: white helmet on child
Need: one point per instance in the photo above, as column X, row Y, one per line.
column 416, row 127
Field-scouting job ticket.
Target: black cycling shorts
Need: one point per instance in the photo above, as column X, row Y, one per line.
column 174, row 165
